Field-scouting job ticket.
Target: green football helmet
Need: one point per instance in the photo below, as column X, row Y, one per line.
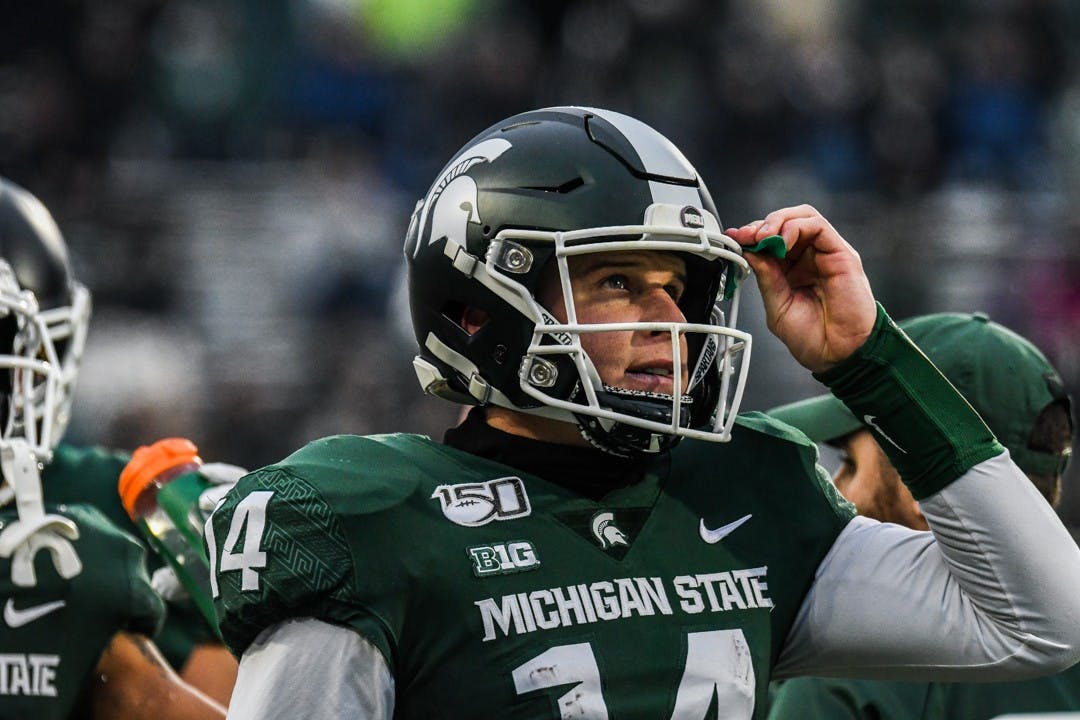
column 532, row 191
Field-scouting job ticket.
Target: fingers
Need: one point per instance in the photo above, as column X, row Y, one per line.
column 774, row 222
column 745, row 235
column 817, row 299
column 800, row 225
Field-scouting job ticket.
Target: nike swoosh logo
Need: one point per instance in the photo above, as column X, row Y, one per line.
column 869, row 420
column 17, row 618
column 714, row 536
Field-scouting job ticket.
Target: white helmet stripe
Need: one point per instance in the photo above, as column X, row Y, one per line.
column 658, row 155
column 680, row 195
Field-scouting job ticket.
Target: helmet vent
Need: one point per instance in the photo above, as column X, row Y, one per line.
column 567, row 187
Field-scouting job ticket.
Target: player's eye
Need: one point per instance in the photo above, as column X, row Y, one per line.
column 615, row 282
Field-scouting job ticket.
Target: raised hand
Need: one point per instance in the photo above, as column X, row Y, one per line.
column 818, row 300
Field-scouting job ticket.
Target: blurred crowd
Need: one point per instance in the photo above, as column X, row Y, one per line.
column 235, row 177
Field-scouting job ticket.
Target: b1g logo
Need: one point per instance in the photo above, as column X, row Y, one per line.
column 476, row 504
column 503, row 558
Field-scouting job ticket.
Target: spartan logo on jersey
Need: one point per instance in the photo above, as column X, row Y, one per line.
column 606, row 532
column 451, row 202
column 476, row 504
column 610, row 531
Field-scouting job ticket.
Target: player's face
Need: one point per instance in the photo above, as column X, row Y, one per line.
column 636, row 286
column 871, row 483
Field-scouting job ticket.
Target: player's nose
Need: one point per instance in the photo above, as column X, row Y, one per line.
column 660, row 306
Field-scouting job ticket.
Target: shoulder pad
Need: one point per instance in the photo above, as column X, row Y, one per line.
column 760, row 436
column 768, row 425
column 292, row 539
column 87, row 475
column 384, row 469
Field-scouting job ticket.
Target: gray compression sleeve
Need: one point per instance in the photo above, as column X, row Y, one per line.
column 306, row 668
column 991, row 593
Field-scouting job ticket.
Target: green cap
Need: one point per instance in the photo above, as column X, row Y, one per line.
column 1005, row 378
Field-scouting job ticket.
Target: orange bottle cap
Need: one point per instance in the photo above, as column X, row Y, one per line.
column 150, row 461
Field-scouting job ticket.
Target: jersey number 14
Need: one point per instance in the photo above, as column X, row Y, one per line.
column 718, row 665
column 248, row 518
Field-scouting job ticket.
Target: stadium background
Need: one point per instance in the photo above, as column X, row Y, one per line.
column 235, row 177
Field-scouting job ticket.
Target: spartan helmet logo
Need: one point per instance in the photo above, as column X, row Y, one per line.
column 603, row 527
column 451, row 202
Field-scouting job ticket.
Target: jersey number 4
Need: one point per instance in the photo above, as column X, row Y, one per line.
column 718, row 665
column 249, row 519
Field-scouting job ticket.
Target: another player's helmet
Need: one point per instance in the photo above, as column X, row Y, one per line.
column 44, row 314
column 534, row 190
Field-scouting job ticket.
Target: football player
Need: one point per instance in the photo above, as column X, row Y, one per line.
column 603, row 536
column 78, row 605
column 1023, row 400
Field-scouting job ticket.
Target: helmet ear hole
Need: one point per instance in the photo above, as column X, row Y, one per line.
column 469, row 319
column 454, row 312
column 473, row 319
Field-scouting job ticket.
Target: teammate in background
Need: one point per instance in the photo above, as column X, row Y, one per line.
column 603, row 537
column 78, row 604
column 89, row 475
column 191, row 647
column 1023, row 401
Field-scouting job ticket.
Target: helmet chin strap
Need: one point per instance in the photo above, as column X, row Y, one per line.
column 34, row 530
column 626, row 440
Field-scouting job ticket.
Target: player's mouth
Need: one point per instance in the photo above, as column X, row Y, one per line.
column 654, row 377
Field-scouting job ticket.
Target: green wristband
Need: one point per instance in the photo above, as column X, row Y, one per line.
column 928, row 430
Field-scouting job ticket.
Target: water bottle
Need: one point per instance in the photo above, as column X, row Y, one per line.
column 160, row 489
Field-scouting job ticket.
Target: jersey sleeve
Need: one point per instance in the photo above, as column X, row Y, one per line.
column 114, row 573
column 990, row 594
column 280, row 550
column 998, row 575
column 147, row 610
column 330, row 673
column 138, row 607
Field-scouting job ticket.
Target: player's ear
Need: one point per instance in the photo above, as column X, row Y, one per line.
column 472, row 319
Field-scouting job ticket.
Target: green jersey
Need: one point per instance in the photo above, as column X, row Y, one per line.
column 90, row 475
column 494, row 593
column 55, row 632
column 837, row 699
